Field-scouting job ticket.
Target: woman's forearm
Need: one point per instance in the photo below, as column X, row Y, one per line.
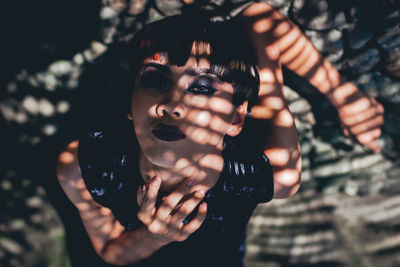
column 295, row 51
column 281, row 142
column 108, row 237
column 131, row 247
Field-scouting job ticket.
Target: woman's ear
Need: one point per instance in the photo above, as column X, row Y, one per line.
column 238, row 120
column 129, row 116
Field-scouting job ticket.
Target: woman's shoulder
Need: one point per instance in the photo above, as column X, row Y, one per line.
column 69, row 174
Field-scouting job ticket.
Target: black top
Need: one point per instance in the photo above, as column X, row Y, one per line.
column 109, row 168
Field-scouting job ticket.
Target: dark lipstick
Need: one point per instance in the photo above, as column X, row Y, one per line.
column 168, row 132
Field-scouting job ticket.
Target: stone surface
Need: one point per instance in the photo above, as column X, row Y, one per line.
column 365, row 61
column 360, row 34
column 390, row 41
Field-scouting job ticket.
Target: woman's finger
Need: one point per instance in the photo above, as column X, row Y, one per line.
column 140, row 193
column 146, row 211
column 185, row 209
column 196, row 222
column 170, row 201
column 368, row 125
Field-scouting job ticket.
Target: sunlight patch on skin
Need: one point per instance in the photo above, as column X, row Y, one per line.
column 105, row 211
column 287, row 177
column 196, row 101
column 272, row 52
column 200, row 136
column 83, row 206
column 306, row 62
column 286, row 41
column 212, row 161
column 257, row 9
column 66, row 157
column 282, row 29
column 320, row 80
column 341, row 93
column 262, row 25
column 296, row 53
column 86, row 195
column 219, row 125
column 261, row 112
column 78, row 184
column 274, row 103
column 168, row 157
column 296, row 154
column 221, row 105
column 267, row 88
column 355, row 107
column 181, row 163
column 280, row 156
column 267, row 76
column 201, row 118
column 215, row 139
column 190, row 171
column 285, row 119
column 106, row 228
column 153, row 110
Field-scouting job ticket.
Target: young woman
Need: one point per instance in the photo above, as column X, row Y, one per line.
column 175, row 187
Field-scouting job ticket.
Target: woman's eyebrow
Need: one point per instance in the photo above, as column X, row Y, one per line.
column 160, row 67
column 203, row 71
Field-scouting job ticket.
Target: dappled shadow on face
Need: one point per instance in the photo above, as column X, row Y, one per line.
column 199, row 114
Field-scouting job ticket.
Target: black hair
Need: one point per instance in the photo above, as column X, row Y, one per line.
column 108, row 83
column 232, row 56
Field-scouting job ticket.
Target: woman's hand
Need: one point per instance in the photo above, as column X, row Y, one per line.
column 361, row 118
column 166, row 221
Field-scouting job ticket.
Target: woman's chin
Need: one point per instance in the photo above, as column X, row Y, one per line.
column 169, row 161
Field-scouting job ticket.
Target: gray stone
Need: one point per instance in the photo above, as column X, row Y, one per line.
column 169, row 7
column 374, row 84
column 359, row 35
column 392, row 123
column 340, row 167
column 365, row 61
column 389, row 19
column 299, row 106
column 316, row 15
column 137, row 6
column 61, row 67
column 108, row 13
column 328, row 43
column 281, row 5
column 392, row 62
column 365, row 161
column 390, row 41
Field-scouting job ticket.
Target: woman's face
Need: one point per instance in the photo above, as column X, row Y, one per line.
column 181, row 113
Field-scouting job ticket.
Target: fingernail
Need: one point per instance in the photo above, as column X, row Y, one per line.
column 155, row 180
column 203, row 206
column 201, row 193
column 190, row 181
column 143, row 188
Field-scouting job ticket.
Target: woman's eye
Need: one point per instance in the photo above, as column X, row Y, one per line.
column 155, row 81
column 202, row 89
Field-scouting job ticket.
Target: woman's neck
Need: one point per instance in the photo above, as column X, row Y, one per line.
column 206, row 172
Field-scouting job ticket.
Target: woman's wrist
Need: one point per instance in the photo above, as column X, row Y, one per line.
column 341, row 94
column 155, row 240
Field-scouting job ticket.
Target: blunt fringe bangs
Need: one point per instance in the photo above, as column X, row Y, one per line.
column 224, row 44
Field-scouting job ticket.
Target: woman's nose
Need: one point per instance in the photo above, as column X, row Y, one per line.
column 171, row 104
column 170, row 110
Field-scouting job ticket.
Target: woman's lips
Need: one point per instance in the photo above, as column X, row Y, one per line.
column 168, row 132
